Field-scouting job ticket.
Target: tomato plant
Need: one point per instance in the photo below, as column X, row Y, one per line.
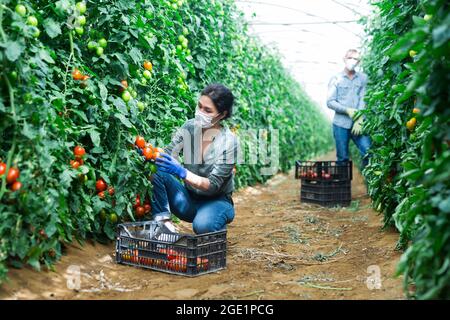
column 70, row 61
column 409, row 122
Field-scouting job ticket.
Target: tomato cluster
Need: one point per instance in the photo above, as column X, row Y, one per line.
column 11, row 177
column 79, row 152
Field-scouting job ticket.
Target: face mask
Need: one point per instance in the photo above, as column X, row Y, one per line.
column 350, row 64
column 203, row 120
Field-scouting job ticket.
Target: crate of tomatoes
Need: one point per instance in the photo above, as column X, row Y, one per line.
column 327, row 183
column 149, row 245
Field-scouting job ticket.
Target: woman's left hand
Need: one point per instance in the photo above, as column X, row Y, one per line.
column 166, row 163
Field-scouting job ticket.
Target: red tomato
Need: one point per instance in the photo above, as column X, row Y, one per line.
column 100, row 185
column 111, row 191
column 2, row 168
column 140, row 142
column 147, row 153
column 16, row 186
column 13, row 175
column 140, row 212
column 80, row 160
column 79, row 151
column 101, row 194
column 147, row 208
column 74, row 164
column 77, row 75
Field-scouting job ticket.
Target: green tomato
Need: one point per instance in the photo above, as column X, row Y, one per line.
column 153, row 168
column 133, row 93
column 81, row 7
column 36, row 33
column 103, row 214
column 126, row 96
column 99, row 51
column 185, row 44
column 181, row 38
column 81, row 20
column 143, row 81
column 174, row 6
column 179, row 47
column 147, row 74
column 141, row 106
column 103, row 43
column 32, row 21
column 21, row 10
column 92, row 45
column 13, row 75
column 79, row 30
column 113, row 217
column 188, row 52
column 427, row 17
column 180, row 3
column 185, row 31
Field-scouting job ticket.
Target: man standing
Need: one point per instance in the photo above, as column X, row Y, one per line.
column 346, row 96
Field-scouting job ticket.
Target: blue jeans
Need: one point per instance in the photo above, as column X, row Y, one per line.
column 342, row 137
column 205, row 214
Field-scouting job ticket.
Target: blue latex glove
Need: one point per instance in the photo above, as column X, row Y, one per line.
column 166, row 163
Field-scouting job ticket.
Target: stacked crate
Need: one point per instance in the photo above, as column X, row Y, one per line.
column 327, row 183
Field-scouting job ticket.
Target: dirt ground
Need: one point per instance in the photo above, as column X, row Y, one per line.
column 279, row 248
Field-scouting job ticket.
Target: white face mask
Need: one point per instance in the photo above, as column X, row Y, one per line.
column 204, row 120
column 350, row 64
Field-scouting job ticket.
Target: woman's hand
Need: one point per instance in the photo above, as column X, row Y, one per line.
column 166, row 163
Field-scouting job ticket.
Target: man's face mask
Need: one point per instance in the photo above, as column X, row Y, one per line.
column 204, row 120
column 351, row 63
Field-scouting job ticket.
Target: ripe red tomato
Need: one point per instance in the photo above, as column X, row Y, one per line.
column 80, row 160
column 79, row 151
column 147, row 153
column 13, row 175
column 140, row 212
column 101, row 194
column 147, row 208
column 111, row 191
column 2, row 168
column 16, row 186
column 140, row 142
column 100, row 185
column 74, row 164
column 76, row 74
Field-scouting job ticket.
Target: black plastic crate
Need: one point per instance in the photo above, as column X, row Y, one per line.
column 326, row 193
column 323, row 170
column 182, row 254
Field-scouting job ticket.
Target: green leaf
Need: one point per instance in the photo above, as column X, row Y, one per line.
column 95, row 137
column 124, row 120
column 13, row 50
column 103, row 91
column 44, row 55
column 52, row 28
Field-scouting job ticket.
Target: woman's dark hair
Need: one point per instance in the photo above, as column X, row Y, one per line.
column 221, row 96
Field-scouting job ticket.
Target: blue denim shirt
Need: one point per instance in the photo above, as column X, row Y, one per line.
column 217, row 163
column 344, row 93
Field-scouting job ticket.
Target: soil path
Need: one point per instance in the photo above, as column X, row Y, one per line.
column 279, row 248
